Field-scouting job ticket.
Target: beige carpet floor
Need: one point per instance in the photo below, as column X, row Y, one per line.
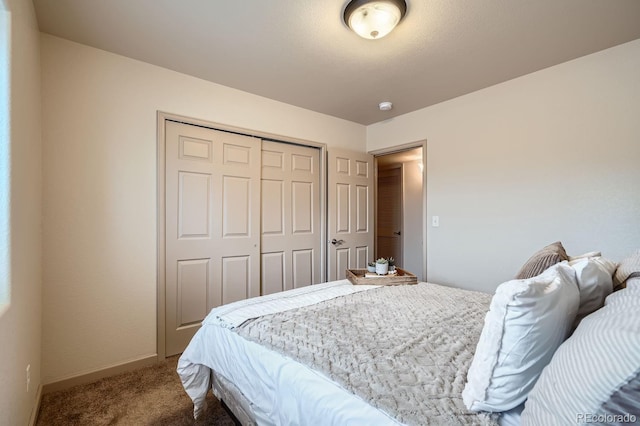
column 149, row 396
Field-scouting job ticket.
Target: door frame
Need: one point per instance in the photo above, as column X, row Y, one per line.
column 161, row 118
column 392, row 150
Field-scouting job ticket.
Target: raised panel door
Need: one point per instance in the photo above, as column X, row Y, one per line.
column 212, row 225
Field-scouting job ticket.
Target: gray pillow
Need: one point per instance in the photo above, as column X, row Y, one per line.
column 542, row 260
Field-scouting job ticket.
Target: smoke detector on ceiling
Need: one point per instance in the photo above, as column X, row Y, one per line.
column 385, row 106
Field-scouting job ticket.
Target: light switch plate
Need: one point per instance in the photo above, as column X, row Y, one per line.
column 435, row 221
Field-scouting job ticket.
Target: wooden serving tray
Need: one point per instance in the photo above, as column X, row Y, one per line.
column 402, row 277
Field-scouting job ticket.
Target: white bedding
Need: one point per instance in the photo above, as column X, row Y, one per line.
column 243, row 363
column 285, row 391
column 234, row 314
column 511, row 417
column 302, row 394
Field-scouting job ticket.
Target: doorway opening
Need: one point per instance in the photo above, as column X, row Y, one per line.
column 400, row 209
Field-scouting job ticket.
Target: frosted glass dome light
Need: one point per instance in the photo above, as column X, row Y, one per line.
column 374, row 19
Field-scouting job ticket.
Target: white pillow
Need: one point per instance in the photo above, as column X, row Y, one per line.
column 585, row 255
column 595, row 374
column 595, row 282
column 527, row 321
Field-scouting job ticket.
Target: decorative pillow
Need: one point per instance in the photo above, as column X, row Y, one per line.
column 594, row 374
column 595, row 282
column 542, row 260
column 628, row 268
column 527, row 320
column 585, row 255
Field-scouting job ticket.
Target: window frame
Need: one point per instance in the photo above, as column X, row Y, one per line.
column 5, row 157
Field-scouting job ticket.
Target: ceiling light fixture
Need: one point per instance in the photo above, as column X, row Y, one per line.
column 385, row 106
column 374, row 19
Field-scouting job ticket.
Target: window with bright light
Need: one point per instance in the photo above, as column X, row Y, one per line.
column 5, row 35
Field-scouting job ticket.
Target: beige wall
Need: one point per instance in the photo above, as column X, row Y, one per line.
column 20, row 321
column 554, row 155
column 99, row 141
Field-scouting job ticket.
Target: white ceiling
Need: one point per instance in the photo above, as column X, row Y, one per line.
column 300, row 52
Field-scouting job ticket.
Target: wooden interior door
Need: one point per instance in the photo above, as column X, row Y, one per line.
column 212, row 225
column 389, row 217
column 350, row 211
column 290, row 244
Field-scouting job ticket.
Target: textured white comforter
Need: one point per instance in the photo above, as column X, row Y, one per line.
column 394, row 355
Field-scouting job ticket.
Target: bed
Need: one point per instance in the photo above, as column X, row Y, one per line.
column 337, row 353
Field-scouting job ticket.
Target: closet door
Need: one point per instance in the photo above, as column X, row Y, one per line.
column 290, row 216
column 212, row 184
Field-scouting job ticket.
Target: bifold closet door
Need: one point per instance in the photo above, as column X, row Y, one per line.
column 290, row 216
column 212, row 184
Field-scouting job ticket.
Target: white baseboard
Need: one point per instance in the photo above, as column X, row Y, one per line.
column 36, row 407
column 96, row 375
